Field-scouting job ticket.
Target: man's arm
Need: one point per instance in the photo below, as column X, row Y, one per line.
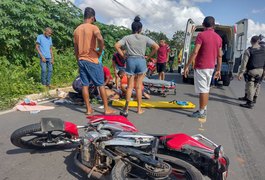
column 118, row 49
column 39, row 52
column 154, row 47
column 100, row 42
column 217, row 74
column 52, row 55
column 76, row 50
column 124, row 88
column 243, row 65
column 191, row 59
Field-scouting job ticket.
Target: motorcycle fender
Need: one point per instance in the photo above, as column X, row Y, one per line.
column 178, row 141
column 56, row 124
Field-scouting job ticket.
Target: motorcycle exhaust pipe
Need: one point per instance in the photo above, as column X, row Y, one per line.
column 87, row 169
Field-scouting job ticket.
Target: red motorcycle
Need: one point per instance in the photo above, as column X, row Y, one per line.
column 112, row 148
column 151, row 67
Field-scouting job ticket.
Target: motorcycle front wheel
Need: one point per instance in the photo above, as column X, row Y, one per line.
column 181, row 170
column 31, row 137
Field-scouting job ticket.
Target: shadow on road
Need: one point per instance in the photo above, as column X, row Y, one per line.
column 72, row 168
column 66, row 148
column 217, row 98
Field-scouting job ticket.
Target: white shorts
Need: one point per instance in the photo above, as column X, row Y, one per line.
column 202, row 80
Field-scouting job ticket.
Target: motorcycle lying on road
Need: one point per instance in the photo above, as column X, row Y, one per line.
column 111, row 146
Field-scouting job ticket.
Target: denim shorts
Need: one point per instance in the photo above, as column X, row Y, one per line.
column 119, row 68
column 91, row 73
column 135, row 65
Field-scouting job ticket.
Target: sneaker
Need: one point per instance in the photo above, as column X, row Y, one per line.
column 247, row 105
column 243, row 98
column 197, row 114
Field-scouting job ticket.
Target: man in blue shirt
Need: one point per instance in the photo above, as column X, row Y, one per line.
column 44, row 48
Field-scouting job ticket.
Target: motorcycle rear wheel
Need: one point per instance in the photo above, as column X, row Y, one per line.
column 181, row 170
column 31, row 137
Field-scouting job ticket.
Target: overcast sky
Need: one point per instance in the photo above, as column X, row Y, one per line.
column 168, row 16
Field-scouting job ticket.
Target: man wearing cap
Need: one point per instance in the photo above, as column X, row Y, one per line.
column 86, row 37
column 252, row 65
column 208, row 49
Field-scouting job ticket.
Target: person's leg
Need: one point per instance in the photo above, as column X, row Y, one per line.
column 204, row 97
column 146, row 95
column 49, row 73
column 158, row 69
column 43, row 72
column 139, row 84
column 256, row 92
column 85, row 94
column 96, row 74
column 202, row 81
column 163, row 71
column 104, row 98
column 130, row 86
column 244, row 98
column 85, row 79
column 163, row 76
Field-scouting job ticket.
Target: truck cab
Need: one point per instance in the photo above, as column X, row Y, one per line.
column 234, row 41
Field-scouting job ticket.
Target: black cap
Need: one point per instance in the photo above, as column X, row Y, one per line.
column 89, row 12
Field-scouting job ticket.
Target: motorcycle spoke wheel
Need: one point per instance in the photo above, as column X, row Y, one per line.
column 126, row 171
column 31, row 137
column 181, row 170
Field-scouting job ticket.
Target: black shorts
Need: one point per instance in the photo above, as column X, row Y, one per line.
column 161, row 67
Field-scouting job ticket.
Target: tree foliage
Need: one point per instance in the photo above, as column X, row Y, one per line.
column 178, row 40
column 23, row 20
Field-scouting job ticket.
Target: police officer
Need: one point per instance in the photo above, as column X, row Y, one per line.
column 253, row 64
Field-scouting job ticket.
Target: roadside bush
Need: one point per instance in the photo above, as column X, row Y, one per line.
column 18, row 81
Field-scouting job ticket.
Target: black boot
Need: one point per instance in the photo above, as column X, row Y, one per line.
column 243, row 98
column 255, row 99
column 249, row 104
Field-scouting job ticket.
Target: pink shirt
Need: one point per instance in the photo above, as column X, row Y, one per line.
column 162, row 53
column 210, row 43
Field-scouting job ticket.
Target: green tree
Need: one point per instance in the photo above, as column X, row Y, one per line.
column 177, row 40
column 156, row 36
column 23, row 20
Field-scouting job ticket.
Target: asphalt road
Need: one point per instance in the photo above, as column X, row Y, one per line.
column 239, row 130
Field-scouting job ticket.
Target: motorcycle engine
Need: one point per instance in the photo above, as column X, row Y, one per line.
column 88, row 152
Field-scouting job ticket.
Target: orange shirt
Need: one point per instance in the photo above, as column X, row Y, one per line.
column 85, row 40
column 124, row 81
